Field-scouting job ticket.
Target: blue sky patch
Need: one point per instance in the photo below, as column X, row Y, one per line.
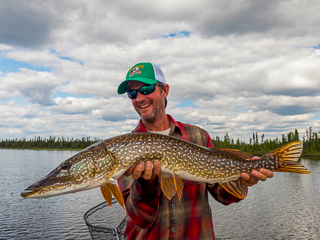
column 12, row 66
column 65, row 95
column 187, row 103
column 316, row 116
column 241, row 109
column 64, row 57
column 317, row 47
column 178, row 34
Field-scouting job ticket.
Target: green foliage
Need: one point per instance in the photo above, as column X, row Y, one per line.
column 311, row 143
column 48, row 143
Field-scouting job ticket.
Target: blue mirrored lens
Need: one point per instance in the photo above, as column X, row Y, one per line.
column 144, row 90
column 132, row 94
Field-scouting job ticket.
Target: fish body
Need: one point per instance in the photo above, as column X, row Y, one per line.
column 101, row 164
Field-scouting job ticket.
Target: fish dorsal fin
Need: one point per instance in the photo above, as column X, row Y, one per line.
column 109, row 190
column 170, row 185
column 235, row 152
column 235, row 188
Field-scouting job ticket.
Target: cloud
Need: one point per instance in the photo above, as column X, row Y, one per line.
column 35, row 86
column 24, row 24
column 233, row 67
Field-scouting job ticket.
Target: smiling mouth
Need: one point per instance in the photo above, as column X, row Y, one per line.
column 145, row 106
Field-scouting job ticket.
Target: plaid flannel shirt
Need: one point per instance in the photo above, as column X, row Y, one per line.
column 150, row 215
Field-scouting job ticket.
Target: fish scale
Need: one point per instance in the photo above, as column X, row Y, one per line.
column 101, row 164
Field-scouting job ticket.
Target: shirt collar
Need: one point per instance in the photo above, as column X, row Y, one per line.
column 174, row 126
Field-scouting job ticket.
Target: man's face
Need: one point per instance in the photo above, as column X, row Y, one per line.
column 151, row 106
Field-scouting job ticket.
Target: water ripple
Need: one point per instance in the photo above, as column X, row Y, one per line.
column 285, row 207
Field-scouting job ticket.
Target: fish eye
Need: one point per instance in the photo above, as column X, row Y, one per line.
column 65, row 166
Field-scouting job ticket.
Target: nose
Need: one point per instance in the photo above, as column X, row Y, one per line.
column 140, row 97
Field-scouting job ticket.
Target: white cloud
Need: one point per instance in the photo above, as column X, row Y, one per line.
column 248, row 66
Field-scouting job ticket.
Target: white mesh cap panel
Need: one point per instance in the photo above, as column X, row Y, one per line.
column 158, row 74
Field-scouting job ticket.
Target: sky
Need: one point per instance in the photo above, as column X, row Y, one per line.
column 233, row 67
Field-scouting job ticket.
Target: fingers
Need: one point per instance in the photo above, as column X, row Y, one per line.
column 256, row 176
column 248, row 180
column 129, row 171
column 267, row 173
column 146, row 170
column 147, row 173
column 138, row 170
column 156, row 167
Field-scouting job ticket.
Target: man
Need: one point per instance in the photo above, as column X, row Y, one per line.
column 150, row 215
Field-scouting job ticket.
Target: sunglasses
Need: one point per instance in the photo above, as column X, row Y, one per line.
column 144, row 90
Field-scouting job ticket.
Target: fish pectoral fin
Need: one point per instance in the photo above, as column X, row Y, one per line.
column 109, row 190
column 106, row 193
column 170, row 185
column 116, row 193
column 235, row 188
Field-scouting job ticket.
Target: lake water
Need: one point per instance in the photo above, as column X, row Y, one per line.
column 285, row 207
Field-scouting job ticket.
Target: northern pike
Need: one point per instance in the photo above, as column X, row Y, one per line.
column 102, row 163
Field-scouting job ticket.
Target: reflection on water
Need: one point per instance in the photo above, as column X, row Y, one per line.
column 285, row 207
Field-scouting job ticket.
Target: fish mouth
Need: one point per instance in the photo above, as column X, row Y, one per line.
column 43, row 191
column 29, row 192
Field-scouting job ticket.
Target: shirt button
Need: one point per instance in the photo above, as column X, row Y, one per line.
column 173, row 229
column 173, row 206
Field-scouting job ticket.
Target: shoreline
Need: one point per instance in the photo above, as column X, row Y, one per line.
column 45, row 149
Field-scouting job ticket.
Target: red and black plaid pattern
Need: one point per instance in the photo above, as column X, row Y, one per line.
column 150, row 215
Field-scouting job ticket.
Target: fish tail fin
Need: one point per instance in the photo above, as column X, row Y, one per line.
column 287, row 157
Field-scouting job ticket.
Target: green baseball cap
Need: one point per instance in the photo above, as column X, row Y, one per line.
column 145, row 72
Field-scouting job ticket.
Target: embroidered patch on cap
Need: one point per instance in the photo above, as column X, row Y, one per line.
column 136, row 70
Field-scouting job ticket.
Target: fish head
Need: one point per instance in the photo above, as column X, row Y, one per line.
column 88, row 169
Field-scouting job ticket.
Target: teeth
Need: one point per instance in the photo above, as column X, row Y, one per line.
column 144, row 106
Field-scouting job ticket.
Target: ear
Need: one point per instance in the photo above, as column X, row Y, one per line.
column 165, row 91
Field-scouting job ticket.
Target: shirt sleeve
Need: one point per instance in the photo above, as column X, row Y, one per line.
column 142, row 201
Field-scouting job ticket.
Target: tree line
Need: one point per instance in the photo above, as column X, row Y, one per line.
column 257, row 145
column 48, row 143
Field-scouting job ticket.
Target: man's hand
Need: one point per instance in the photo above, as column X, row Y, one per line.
column 256, row 176
column 147, row 170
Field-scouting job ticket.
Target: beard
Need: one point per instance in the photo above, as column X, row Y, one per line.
column 157, row 111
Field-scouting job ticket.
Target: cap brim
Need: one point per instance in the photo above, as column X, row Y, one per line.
column 123, row 86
